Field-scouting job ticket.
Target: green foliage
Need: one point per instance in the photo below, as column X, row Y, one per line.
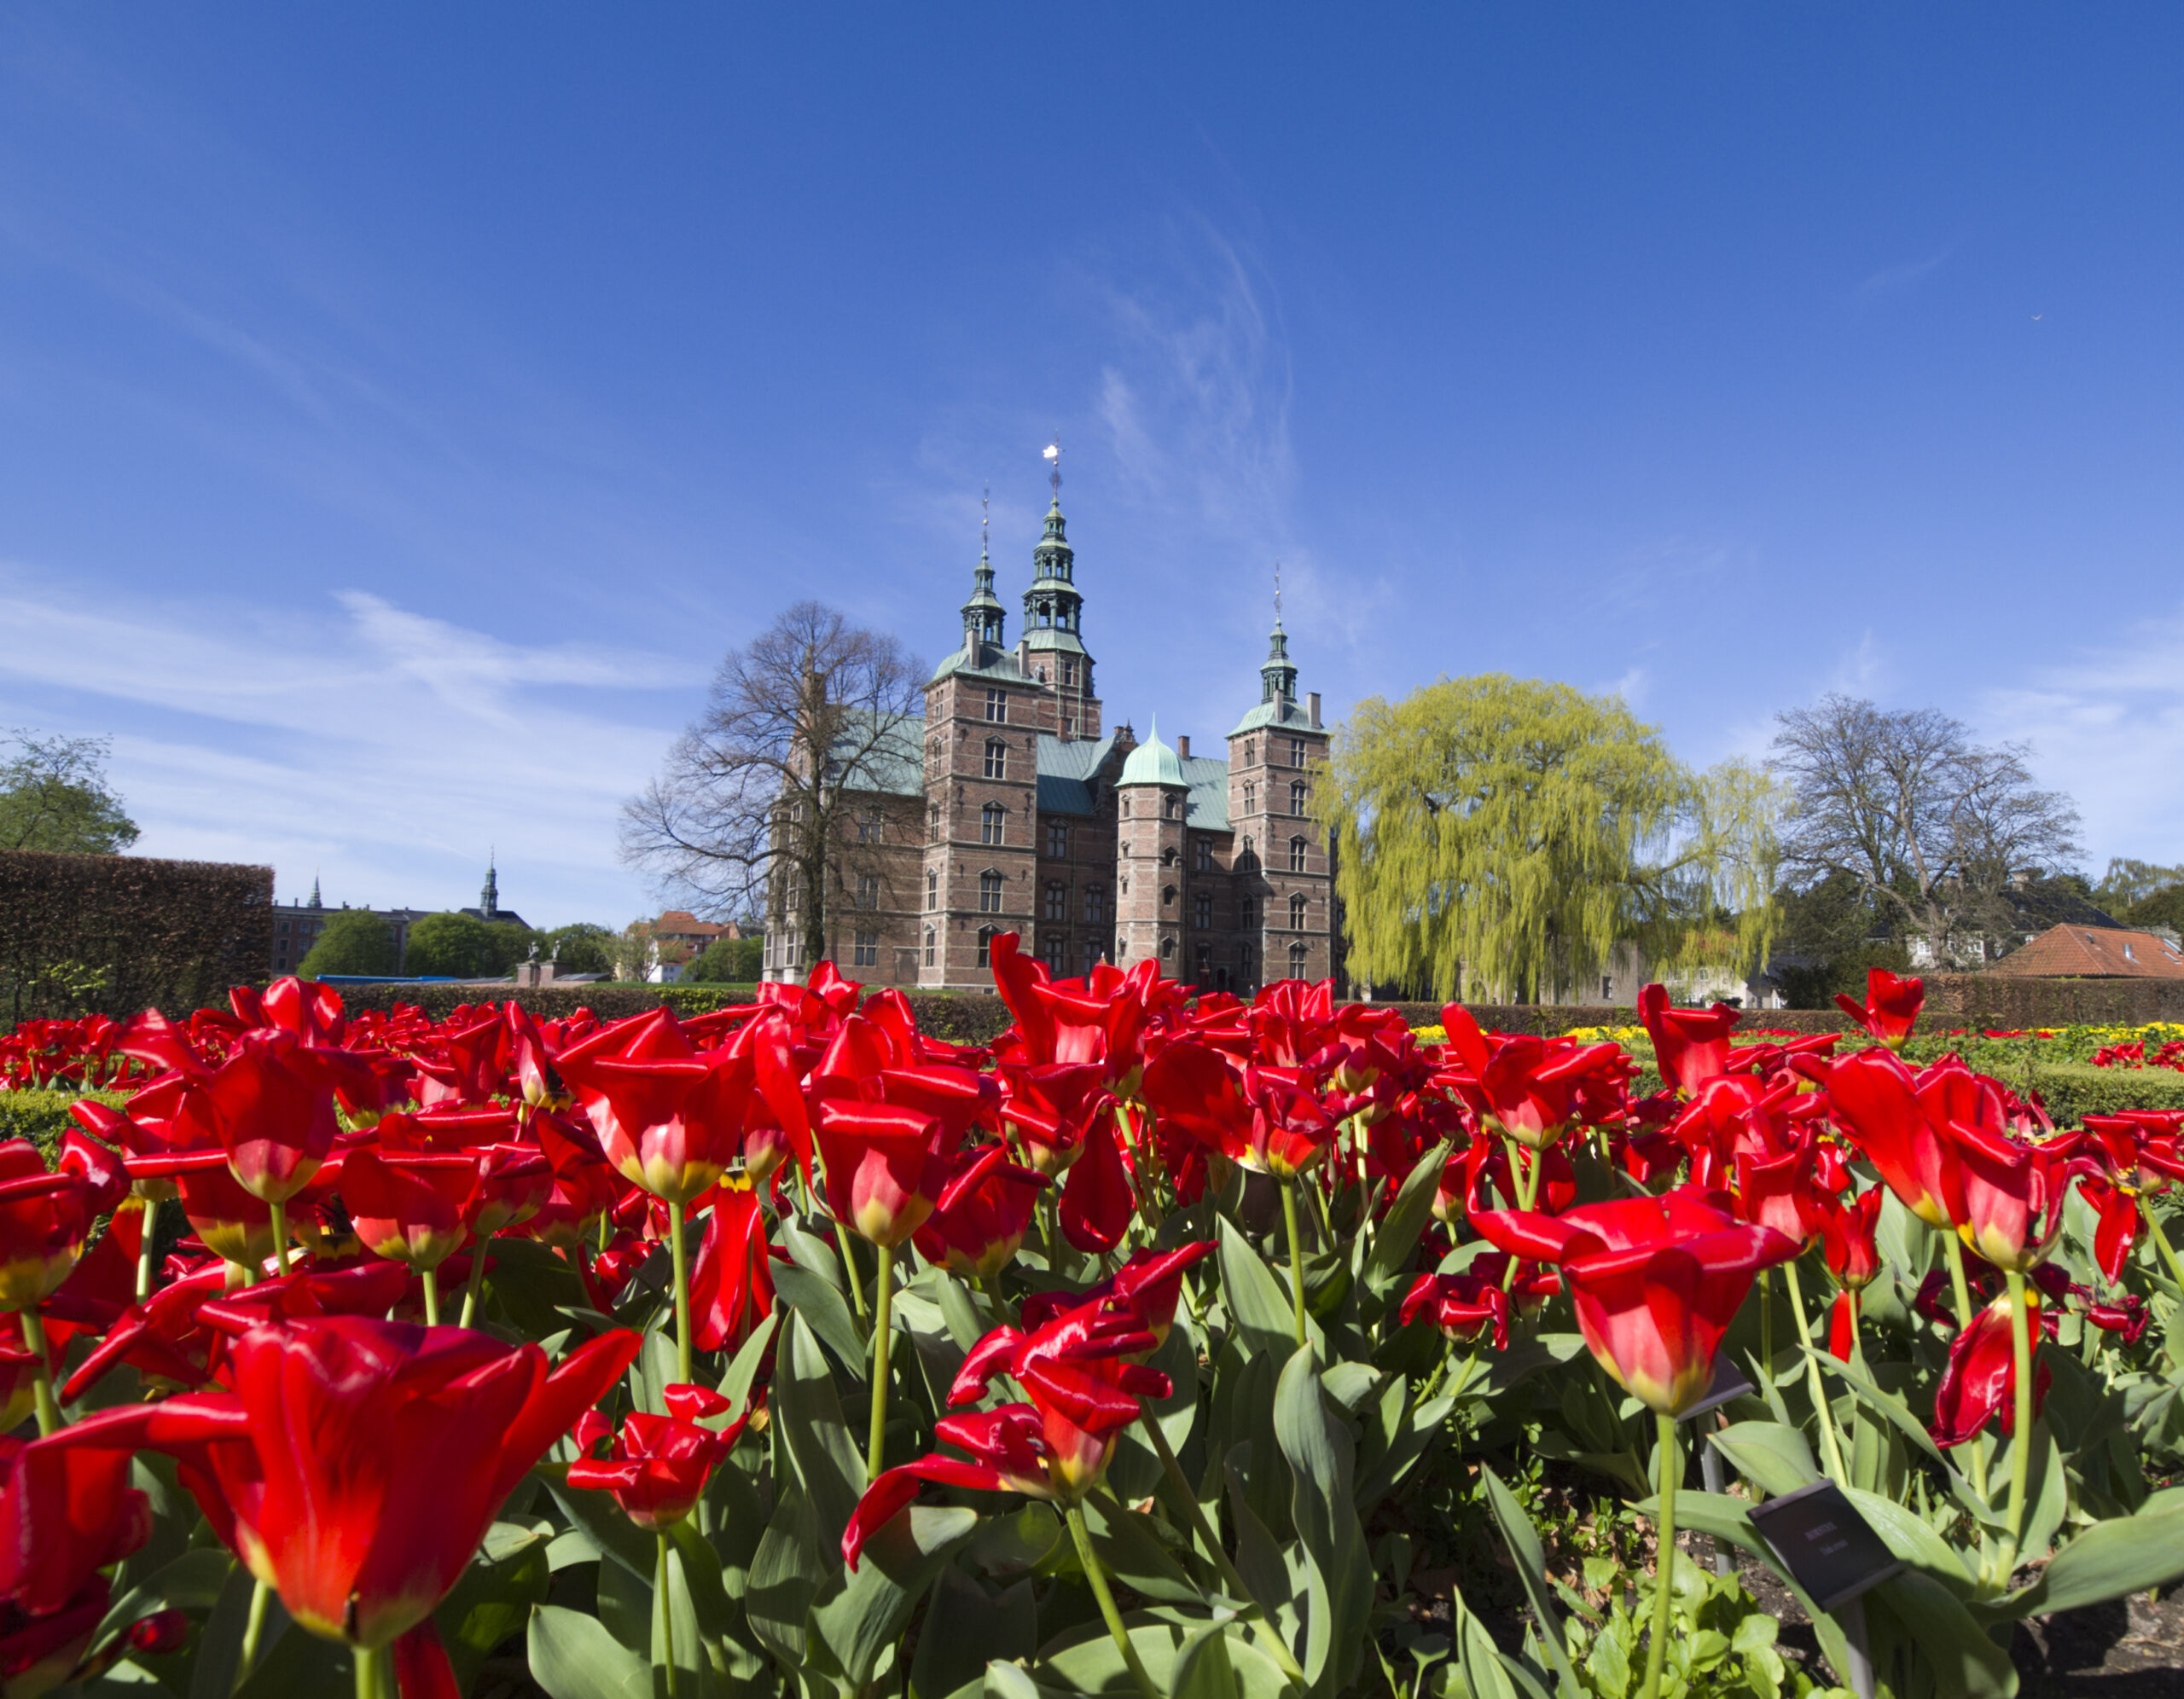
column 1514, row 832
column 2074, row 1090
column 580, row 947
column 42, row 1117
column 2128, row 882
column 459, row 945
column 352, row 941
column 54, row 797
column 2163, row 908
column 1724, row 1646
column 729, row 961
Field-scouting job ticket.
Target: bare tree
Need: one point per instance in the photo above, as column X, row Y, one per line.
column 1931, row 824
column 765, row 801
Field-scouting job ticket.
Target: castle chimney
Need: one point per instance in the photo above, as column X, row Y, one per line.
column 1183, row 747
column 1312, row 706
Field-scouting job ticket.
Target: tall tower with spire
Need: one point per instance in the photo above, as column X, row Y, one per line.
column 1052, row 648
column 489, row 899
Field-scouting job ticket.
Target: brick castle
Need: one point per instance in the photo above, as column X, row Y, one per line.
column 1015, row 808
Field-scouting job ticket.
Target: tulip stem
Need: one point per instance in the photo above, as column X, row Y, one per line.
column 1963, row 1291
column 681, row 1255
column 875, row 1453
column 661, row 1592
column 368, row 1661
column 49, row 1412
column 1819, row 1406
column 280, row 1238
column 473, row 1284
column 1669, row 1463
column 2161, row 1243
column 1296, row 1251
column 1230, row 1578
column 144, row 1248
column 1098, row 1578
column 2021, row 1418
column 849, row 1268
column 1767, row 1319
column 254, row 1631
column 432, row 1278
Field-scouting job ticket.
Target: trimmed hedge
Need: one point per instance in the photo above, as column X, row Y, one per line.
column 2008, row 1002
column 42, row 1117
column 118, row 933
column 1545, row 1020
column 2073, row 1090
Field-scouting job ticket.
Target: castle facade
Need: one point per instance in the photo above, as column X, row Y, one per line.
column 1022, row 811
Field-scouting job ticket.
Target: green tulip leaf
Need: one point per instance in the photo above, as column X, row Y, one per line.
column 1531, row 1558
column 826, row 1313
column 967, row 1626
column 572, row 1656
column 816, row 1435
column 2109, row 1560
column 785, row 1574
column 1258, row 1303
column 858, row 1613
column 1774, row 1458
column 1396, row 1240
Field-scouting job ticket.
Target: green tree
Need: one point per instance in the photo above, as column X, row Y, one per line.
column 2128, row 882
column 354, row 941
column 2164, row 908
column 1501, row 835
column 53, row 795
column 727, row 961
column 578, row 949
column 452, row 945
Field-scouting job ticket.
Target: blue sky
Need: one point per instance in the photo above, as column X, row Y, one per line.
column 401, row 409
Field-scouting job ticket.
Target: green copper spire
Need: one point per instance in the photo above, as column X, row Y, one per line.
column 1052, row 609
column 1278, row 677
column 984, row 614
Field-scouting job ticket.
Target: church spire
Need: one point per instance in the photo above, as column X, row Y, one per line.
column 1053, row 608
column 1278, row 677
column 490, row 898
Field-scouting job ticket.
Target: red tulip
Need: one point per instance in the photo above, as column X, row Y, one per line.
column 657, row 1465
column 980, row 1217
column 1877, row 1100
column 1690, row 1046
column 1149, row 1285
column 1099, row 1020
column 1781, row 1192
column 408, row 1206
column 64, row 1516
column 886, row 1131
column 46, row 1215
column 1656, row 1282
column 1533, row 1090
column 1007, row 1451
column 1891, row 1009
column 731, row 1282
column 2014, row 1194
column 272, row 1103
column 1463, row 1305
column 1847, row 1239
column 357, row 1463
column 1981, row 1375
column 471, row 1066
column 1268, row 1120
column 670, row 1119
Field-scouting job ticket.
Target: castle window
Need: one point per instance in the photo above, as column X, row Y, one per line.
column 1055, row 944
column 869, row 827
column 992, row 819
column 1175, row 808
column 1251, row 746
column 1296, row 794
column 996, row 705
column 1057, row 838
column 931, row 947
column 1095, row 905
column 997, row 758
column 1247, row 964
column 1296, row 752
column 1247, row 858
column 1296, row 855
column 933, row 822
column 868, row 892
column 1202, row 910
column 989, row 892
column 932, row 889
column 1250, row 798
column 1300, row 908
column 1168, row 896
column 1069, row 672
column 1247, row 910
column 986, row 936
column 1091, row 955
column 1300, row 961
column 1168, row 856
column 1204, row 963
column 1125, row 807
column 1041, row 672
column 1206, row 855
column 1057, row 901
column 867, row 950
column 1167, row 949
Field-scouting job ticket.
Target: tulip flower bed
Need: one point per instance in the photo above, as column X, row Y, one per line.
column 1164, row 1346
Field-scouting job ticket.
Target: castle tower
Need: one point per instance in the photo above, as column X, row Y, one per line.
column 1284, row 879
column 489, row 899
column 983, row 715
column 1152, row 794
column 1052, row 648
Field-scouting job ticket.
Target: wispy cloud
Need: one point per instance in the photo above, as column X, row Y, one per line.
column 386, row 750
column 2107, row 726
column 1896, row 280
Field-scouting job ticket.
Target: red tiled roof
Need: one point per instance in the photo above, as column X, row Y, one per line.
column 679, row 923
column 2094, row 952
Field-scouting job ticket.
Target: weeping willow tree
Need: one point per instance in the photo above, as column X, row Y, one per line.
column 1500, row 838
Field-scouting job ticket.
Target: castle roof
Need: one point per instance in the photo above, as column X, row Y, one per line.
column 1282, row 714
column 1153, row 763
column 1068, row 769
column 1206, row 808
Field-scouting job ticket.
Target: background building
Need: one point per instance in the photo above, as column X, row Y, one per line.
column 296, row 925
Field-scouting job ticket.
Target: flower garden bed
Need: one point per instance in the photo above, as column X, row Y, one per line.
column 1157, row 1345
